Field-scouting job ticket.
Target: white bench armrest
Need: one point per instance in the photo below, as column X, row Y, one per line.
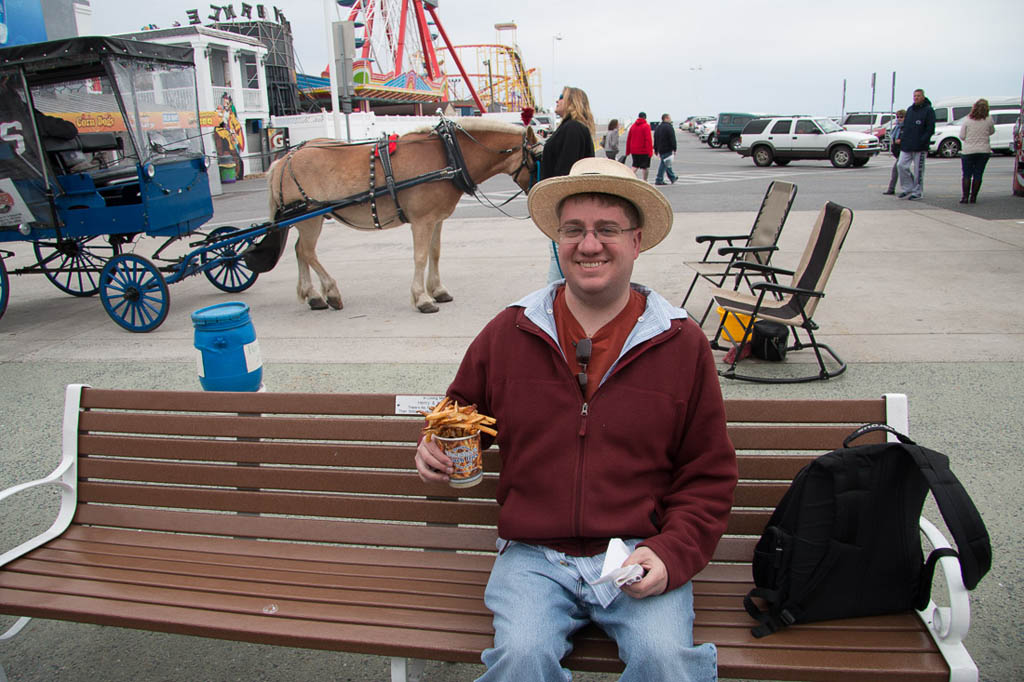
column 65, row 476
column 948, row 625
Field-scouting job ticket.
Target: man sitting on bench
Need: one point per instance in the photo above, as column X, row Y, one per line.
column 611, row 425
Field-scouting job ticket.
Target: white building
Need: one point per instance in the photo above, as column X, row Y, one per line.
column 225, row 63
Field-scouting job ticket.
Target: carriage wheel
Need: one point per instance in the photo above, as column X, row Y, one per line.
column 5, row 287
column 229, row 271
column 134, row 293
column 72, row 265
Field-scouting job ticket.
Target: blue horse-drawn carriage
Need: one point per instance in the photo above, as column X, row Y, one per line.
column 100, row 142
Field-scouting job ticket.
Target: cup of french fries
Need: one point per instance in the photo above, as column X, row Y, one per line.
column 456, row 429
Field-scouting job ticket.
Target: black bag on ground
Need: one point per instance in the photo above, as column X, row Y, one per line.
column 769, row 340
column 844, row 540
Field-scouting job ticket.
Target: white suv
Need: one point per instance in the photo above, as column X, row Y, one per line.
column 946, row 141
column 784, row 138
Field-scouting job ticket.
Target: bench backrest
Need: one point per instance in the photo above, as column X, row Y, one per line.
column 336, row 468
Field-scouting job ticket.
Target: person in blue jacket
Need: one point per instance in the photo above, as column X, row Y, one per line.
column 915, row 138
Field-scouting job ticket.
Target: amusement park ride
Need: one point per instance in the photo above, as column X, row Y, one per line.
column 398, row 60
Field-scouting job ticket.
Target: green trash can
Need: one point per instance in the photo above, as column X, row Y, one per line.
column 228, row 171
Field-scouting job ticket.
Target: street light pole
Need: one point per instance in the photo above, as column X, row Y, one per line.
column 554, row 39
column 490, row 87
column 697, row 85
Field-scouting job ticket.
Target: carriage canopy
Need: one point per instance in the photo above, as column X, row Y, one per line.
column 56, row 96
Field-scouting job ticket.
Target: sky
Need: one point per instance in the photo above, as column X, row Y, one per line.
column 785, row 57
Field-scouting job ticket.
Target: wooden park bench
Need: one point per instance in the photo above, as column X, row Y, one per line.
column 298, row 520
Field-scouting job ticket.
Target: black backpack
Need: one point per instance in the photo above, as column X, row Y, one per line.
column 844, row 539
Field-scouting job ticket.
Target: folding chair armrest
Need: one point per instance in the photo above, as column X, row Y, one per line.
column 732, row 250
column 758, row 267
column 783, row 289
column 701, row 238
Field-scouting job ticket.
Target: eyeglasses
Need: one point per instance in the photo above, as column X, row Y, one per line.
column 562, row 96
column 606, row 234
column 583, row 349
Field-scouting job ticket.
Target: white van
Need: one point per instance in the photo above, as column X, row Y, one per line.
column 955, row 108
column 946, row 141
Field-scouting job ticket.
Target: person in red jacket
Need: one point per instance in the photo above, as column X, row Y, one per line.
column 612, row 430
column 640, row 145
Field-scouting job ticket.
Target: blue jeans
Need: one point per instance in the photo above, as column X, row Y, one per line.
column 665, row 166
column 538, row 603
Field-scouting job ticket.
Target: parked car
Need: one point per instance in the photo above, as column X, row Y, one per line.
column 544, row 124
column 706, row 129
column 946, row 141
column 697, row 122
column 728, row 128
column 781, row 139
column 867, row 121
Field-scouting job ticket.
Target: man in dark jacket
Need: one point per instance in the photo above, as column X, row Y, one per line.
column 665, row 147
column 612, row 434
column 915, row 138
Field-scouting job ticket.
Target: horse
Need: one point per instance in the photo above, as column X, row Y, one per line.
column 454, row 157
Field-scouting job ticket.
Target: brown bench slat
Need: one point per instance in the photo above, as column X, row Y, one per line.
column 219, row 576
column 747, row 521
column 735, row 549
column 805, row 411
column 295, row 503
column 257, row 627
column 831, row 666
column 121, row 541
column 760, row 494
column 296, row 529
column 240, row 402
column 774, row 467
column 234, row 426
column 819, row 439
column 329, row 561
column 318, row 479
column 271, row 604
column 824, row 639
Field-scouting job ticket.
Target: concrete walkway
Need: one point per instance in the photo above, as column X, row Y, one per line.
column 925, row 302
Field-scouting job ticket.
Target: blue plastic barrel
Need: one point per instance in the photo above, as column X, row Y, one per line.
column 229, row 354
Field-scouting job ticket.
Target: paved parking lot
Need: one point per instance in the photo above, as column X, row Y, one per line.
column 924, row 300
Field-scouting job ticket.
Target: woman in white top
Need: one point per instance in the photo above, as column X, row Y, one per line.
column 975, row 131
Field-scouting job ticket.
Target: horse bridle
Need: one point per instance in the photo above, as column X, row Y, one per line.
column 527, row 160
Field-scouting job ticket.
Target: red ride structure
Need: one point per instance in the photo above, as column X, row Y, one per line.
column 396, row 59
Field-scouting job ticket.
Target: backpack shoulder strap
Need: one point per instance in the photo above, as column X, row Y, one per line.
column 959, row 513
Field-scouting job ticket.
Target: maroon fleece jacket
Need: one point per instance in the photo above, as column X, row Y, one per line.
column 648, row 457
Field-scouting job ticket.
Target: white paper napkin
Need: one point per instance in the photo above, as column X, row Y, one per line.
column 614, row 571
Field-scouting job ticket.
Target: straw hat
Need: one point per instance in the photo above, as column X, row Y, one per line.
column 606, row 176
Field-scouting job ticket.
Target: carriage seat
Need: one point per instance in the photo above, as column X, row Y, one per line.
column 84, row 142
column 67, row 158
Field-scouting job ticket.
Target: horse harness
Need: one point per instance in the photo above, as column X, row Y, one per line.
column 382, row 149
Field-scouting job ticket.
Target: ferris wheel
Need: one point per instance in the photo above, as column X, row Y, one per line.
column 391, row 33
column 395, row 48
